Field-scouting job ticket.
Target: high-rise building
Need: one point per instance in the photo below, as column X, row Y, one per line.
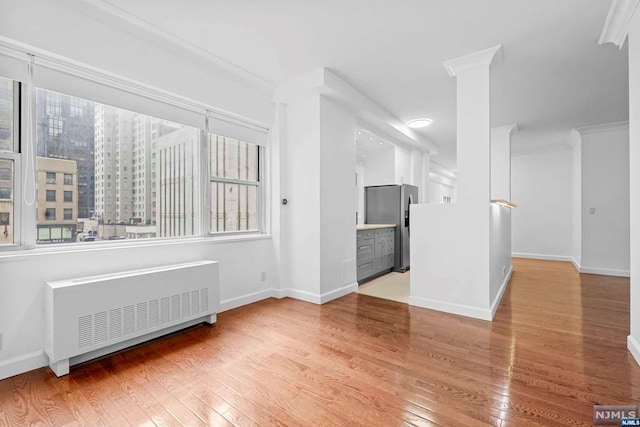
column 57, row 200
column 66, row 131
column 175, row 175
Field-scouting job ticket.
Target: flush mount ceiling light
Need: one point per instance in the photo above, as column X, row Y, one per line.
column 419, row 123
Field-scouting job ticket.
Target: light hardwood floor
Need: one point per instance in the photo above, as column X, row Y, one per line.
column 556, row 347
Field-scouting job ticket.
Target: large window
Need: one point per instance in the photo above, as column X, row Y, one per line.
column 7, row 161
column 79, row 165
column 234, row 175
column 150, row 190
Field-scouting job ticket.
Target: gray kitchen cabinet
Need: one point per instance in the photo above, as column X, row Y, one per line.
column 375, row 251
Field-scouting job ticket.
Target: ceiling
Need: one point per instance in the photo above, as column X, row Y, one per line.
column 554, row 75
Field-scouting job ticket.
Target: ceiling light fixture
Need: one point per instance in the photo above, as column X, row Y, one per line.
column 419, row 123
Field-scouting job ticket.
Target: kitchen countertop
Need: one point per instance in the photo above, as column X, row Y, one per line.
column 373, row 226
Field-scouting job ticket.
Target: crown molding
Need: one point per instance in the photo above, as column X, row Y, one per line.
column 509, row 129
column 371, row 115
column 482, row 58
column 606, row 127
column 164, row 37
column 616, row 26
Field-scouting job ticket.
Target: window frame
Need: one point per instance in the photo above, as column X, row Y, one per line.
column 24, row 157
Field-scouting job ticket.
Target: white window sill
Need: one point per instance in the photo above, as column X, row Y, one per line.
column 18, row 252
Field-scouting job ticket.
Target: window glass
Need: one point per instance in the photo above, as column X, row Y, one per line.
column 234, row 185
column 6, row 202
column 149, row 191
column 50, row 214
column 6, row 114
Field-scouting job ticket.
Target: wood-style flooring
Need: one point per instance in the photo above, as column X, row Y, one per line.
column 557, row 346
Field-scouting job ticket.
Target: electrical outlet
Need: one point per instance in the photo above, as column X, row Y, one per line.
column 263, row 276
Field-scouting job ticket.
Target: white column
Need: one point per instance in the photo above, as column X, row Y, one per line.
column 501, row 162
column 624, row 20
column 634, row 172
column 450, row 243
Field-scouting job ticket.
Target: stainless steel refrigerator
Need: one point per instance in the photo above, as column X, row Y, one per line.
column 389, row 204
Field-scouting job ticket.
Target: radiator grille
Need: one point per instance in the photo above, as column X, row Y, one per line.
column 84, row 334
column 147, row 315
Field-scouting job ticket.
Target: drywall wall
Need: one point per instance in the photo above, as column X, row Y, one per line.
column 302, row 229
column 633, row 340
column 88, row 34
column 541, row 187
column 438, row 190
column 379, row 167
column 360, row 191
column 337, row 192
column 403, row 167
column 576, row 198
column 24, row 274
column 79, row 31
column 605, row 200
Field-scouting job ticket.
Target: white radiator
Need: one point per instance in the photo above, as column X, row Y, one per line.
column 92, row 316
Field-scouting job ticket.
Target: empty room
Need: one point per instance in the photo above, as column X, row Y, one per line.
column 319, row 213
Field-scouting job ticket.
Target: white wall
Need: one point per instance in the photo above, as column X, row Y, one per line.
column 576, row 198
column 438, row 190
column 81, row 32
column 605, row 189
column 403, row 169
column 360, row 190
column 633, row 341
column 25, row 273
column 337, row 192
column 379, row 167
column 302, row 170
column 541, row 187
column 87, row 34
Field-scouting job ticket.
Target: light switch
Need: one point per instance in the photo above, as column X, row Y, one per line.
column 592, row 210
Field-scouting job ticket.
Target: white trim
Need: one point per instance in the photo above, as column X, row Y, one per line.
column 632, row 346
column 231, row 303
column 44, row 250
column 496, row 301
column 163, row 37
column 312, row 297
column 481, row 58
column 576, row 264
column 447, row 307
column 605, row 271
column 79, row 69
column 542, row 256
column 24, row 363
column 605, row 127
column 616, row 27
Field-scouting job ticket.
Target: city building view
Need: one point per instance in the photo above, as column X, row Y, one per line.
column 6, row 166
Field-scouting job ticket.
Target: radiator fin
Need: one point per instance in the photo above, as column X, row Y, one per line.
column 129, row 320
column 101, row 327
column 175, row 307
column 186, row 305
column 154, row 313
column 195, row 302
column 165, row 313
column 204, row 300
column 141, row 316
column 115, row 323
column 84, row 331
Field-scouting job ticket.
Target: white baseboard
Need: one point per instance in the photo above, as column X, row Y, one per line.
column 634, row 348
column 236, row 302
column 605, row 271
column 447, row 307
column 542, row 256
column 21, row 364
column 314, row 297
column 496, row 301
column 578, row 267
